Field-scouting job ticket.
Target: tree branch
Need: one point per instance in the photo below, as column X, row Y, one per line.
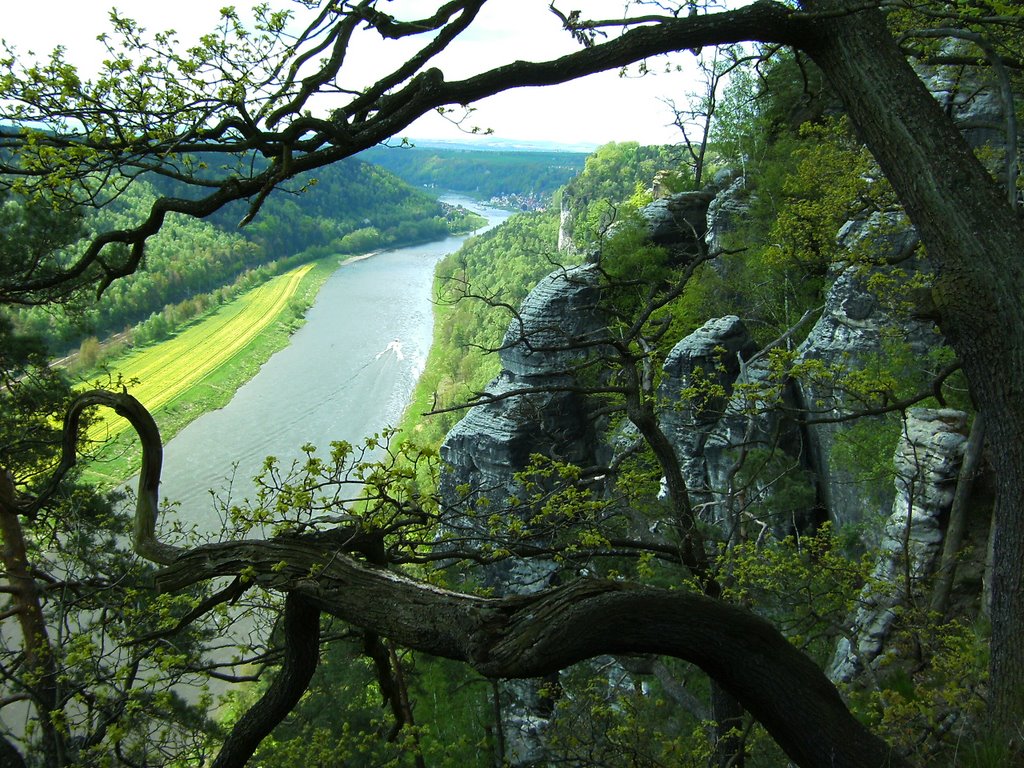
column 301, row 654
column 531, row 636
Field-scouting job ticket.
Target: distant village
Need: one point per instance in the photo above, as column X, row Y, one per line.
column 515, row 202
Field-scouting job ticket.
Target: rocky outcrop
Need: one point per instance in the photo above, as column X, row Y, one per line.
column 756, row 450
column 679, row 221
column 927, row 463
column 727, row 210
column 556, row 328
column 565, row 244
column 529, row 408
column 857, row 329
column 732, row 430
column 971, row 94
column 724, row 415
column 751, row 463
column 699, row 374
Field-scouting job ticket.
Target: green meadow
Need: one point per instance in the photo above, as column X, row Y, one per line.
column 200, row 368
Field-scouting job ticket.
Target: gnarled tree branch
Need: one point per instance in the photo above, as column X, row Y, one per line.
column 531, row 636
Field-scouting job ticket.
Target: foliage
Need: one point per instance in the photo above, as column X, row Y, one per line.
column 316, row 214
column 342, row 717
column 95, row 676
column 35, row 239
column 807, row 583
column 245, row 94
column 925, row 709
column 482, row 173
column 610, row 178
column 499, row 266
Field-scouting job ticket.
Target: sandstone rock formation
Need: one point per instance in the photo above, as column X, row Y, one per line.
column 855, row 330
column 927, row 462
column 529, row 408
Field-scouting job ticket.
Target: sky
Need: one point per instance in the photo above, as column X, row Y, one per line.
column 590, row 112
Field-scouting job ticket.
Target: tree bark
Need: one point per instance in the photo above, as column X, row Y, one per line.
column 535, row 635
column 975, row 240
column 301, row 655
column 39, row 667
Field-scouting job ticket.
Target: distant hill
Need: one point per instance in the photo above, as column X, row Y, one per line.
column 494, row 144
column 483, row 173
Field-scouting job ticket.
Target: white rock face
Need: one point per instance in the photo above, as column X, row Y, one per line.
column 565, row 244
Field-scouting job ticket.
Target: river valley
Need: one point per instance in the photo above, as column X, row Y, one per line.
column 347, row 373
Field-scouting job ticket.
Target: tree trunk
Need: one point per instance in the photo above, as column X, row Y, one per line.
column 730, row 748
column 39, row 668
column 301, row 655
column 975, row 239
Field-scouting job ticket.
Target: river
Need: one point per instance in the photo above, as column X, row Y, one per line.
column 347, row 373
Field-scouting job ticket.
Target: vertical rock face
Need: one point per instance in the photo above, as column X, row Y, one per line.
column 982, row 100
column 565, row 244
column 559, row 328
column 699, row 374
column 557, row 322
column 529, row 410
column 726, row 211
column 679, row 220
column 971, row 94
column 735, row 425
column 754, row 451
column 854, row 330
column 718, row 412
column 927, row 462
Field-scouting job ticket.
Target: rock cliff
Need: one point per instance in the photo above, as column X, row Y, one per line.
column 855, row 330
column 927, row 463
column 756, row 446
column 530, row 407
column 732, row 421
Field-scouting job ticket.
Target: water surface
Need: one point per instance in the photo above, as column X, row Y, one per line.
column 348, row 372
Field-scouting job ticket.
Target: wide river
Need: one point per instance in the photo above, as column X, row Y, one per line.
column 347, row 373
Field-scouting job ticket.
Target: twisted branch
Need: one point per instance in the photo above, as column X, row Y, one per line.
column 147, row 505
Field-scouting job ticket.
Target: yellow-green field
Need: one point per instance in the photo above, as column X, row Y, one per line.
column 163, row 373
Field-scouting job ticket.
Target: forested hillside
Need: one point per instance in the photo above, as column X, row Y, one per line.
column 351, row 207
column 525, row 178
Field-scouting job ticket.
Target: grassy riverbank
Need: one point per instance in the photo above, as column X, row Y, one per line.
column 200, row 368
